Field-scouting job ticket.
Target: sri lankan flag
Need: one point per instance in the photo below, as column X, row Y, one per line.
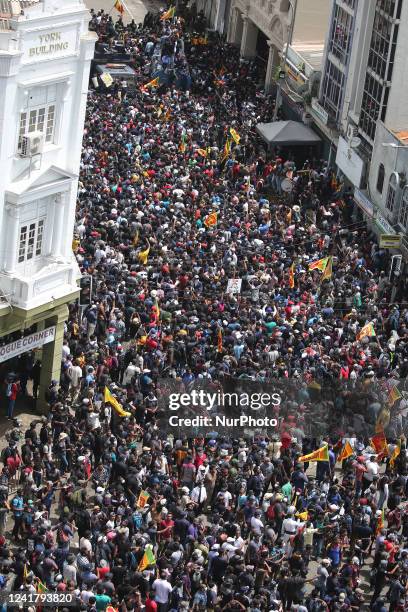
column 345, row 452
column 380, row 524
column 367, row 330
column 383, row 420
column 379, row 443
column 152, row 83
column 202, row 152
column 119, row 7
column 136, row 238
column 142, row 499
column 219, row 340
column 183, row 143
column 393, row 396
column 320, row 264
column 396, row 452
column 168, row 14
column 321, row 454
column 41, row 588
column 211, row 219
column 156, row 312
column 236, row 137
column 147, row 559
column 226, row 151
column 328, row 271
column 292, row 276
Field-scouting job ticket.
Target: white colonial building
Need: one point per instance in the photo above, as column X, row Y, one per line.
column 45, row 55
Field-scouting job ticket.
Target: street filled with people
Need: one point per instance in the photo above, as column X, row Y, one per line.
column 213, row 260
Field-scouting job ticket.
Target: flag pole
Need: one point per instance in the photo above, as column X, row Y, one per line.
column 127, row 9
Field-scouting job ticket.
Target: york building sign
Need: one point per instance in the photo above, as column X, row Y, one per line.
column 49, row 43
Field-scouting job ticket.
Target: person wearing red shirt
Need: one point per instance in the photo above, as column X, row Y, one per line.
column 150, row 604
column 166, row 528
column 12, row 390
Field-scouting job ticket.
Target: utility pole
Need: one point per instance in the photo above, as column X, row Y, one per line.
column 285, row 57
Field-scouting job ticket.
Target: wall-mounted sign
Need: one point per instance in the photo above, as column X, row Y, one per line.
column 28, row 343
column 349, row 162
column 49, row 44
column 390, row 241
column 319, row 111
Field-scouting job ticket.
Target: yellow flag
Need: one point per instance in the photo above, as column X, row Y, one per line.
column 168, row 14
column 302, row 515
column 136, row 238
column 143, row 256
column 236, row 137
column 109, row 399
column 227, row 150
column 321, row 454
column 292, row 276
column 153, row 83
column 328, row 271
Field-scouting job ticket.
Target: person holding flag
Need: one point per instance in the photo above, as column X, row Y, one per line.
column 169, row 14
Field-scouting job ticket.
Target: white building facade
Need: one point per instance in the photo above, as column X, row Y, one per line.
column 364, row 95
column 45, row 55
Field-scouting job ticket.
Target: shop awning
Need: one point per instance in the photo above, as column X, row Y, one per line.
column 287, row 133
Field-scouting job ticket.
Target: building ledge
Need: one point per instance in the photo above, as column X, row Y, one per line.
column 54, row 281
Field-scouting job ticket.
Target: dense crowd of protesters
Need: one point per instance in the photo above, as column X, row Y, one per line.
column 124, row 517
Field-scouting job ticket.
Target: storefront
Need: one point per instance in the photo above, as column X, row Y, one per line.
column 24, row 340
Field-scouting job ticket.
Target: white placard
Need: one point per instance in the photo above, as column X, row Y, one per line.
column 8, row 351
column 234, row 285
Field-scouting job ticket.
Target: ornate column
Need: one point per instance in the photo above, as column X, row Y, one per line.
column 59, row 207
column 13, row 227
column 249, row 38
column 273, row 63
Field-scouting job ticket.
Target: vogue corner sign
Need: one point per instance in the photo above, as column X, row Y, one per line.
column 28, row 343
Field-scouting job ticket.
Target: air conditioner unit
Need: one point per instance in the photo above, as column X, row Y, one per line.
column 32, row 144
column 352, row 131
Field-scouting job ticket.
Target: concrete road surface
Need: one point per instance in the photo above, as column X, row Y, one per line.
column 137, row 9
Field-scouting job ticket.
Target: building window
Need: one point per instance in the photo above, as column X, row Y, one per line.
column 31, row 240
column 392, row 192
column 380, row 66
column 380, row 178
column 332, row 90
column 340, row 39
column 403, row 213
column 39, row 114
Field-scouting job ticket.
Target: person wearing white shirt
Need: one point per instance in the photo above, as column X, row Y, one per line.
column 129, row 373
column 372, row 471
column 85, row 544
column 199, row 494
column 162, row 590
column 256, row 524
